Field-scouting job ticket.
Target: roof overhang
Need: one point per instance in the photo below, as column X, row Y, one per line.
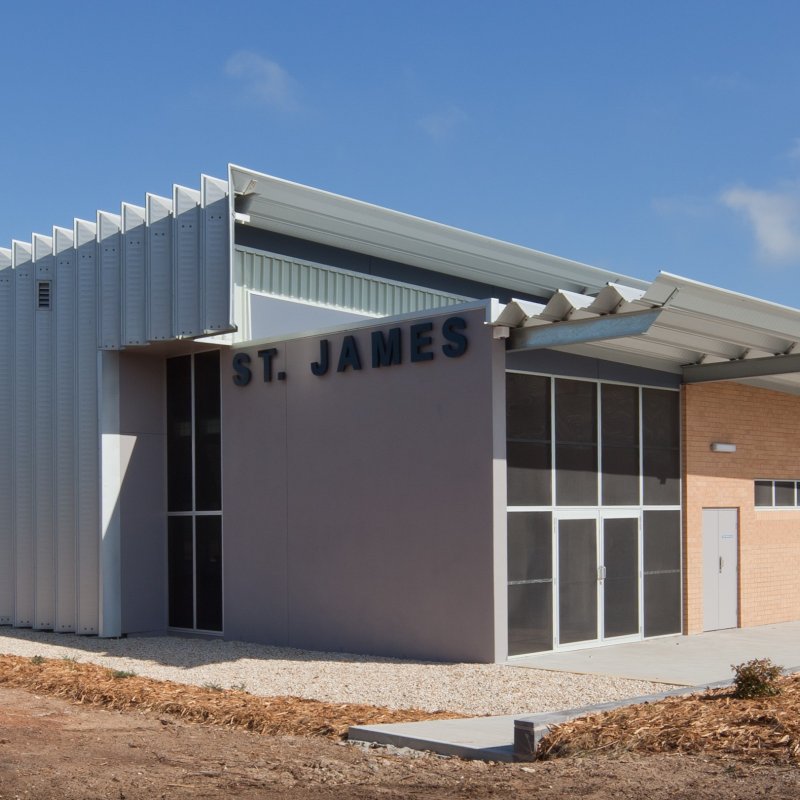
column 676, row 325
column 295, row 210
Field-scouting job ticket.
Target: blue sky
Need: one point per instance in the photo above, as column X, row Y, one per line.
column 632, row 135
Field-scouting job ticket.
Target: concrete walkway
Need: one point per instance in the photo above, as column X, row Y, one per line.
column 484, row 738
column 681, row 660
column 684, row 661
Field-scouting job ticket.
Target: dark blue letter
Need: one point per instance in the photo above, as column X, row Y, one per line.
column 418, row 341
column 386, row 351
column 348, row 357
column 321, row 367
column 458, row 342
column 266, row 357
column 243, row 374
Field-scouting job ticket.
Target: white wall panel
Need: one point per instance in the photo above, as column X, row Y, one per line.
column 186, row 203
column 108, row 254
column 110, row 494
column 159, row 267
column 65, row 325
column 146, row 275
column 23, row 433
column 44, row 270
column 6, row 438
column 134, row 283
column 87, row 435
column 216, row 255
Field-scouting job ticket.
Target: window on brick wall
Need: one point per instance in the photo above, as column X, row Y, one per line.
column 777, row 494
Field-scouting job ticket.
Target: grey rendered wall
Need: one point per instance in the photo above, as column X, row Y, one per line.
column 358, row 506
column 143, row 492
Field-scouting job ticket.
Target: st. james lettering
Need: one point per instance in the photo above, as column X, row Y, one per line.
column 421, row 342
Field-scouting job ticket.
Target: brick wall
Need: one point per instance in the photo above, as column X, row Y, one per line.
column 765, row 426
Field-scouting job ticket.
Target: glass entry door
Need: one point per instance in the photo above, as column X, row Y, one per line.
column 620, row 576
column 577, row 580
column 599, row 587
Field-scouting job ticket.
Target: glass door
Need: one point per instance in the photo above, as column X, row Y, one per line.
column 620, row 574
column 598, row 569
column 578, row 577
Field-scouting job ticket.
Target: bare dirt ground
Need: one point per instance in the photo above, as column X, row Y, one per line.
column 51, row 748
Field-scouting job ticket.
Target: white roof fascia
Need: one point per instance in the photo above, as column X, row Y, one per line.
column 321, row 216
column 684, row 294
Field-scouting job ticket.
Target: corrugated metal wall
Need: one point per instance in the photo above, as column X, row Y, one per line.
column 151, row 273
column 322, row 285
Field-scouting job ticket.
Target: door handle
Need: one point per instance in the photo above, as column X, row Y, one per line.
column 721, row 562
column 601, row 573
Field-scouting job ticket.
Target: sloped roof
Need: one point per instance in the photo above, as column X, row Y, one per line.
column 319, row 216
column 697, row 327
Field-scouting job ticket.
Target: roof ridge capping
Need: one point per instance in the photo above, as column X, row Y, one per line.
column 302, row 211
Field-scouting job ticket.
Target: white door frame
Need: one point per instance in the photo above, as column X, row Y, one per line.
column 599, row 515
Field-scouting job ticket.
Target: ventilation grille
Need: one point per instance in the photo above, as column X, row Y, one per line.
column 43, row 294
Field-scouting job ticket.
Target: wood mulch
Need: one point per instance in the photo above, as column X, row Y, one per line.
column 90, row 684
column 712, row 722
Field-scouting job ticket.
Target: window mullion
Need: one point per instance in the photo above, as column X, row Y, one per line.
column 194, row 500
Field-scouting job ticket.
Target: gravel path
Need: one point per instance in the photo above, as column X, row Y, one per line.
column 474, row 689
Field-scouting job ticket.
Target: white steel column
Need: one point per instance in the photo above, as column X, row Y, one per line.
column 6, row 439
column 497, row 376
column 111, row 485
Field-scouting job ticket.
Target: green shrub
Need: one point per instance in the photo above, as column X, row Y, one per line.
column 37, row 660
column 755, row 678
column 121, row 673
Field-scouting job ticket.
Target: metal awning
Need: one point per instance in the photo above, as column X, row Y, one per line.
column 292, row 209
column 676, row 324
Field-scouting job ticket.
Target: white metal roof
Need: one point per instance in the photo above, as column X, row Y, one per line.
column 697, row 324
column 307, row 213
column 155, row 284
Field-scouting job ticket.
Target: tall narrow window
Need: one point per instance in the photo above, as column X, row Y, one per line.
column 528, row 446
column 620, row 436
column 194, row 490
column 662, row 572
column 576, row 443
column 530, row 582
column 661, row 433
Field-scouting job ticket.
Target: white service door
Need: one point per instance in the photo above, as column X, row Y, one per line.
column 720, row 568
